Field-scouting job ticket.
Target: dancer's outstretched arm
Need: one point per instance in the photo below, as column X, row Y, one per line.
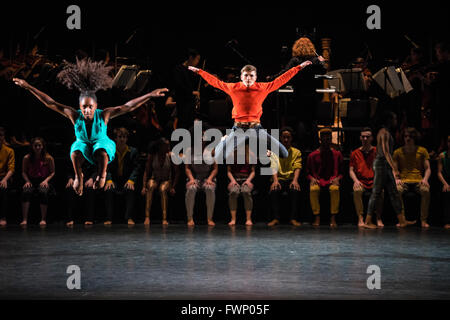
column 112, row 112
column 66, row 111
column 212, row 80
column 285, row 77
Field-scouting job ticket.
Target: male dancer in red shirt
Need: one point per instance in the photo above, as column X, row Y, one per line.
column 248, row 96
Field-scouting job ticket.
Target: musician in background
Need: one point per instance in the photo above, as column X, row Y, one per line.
column 361, row 63
column 414, row 70
column 437, row 80
column 303, row 116
column 184, row 85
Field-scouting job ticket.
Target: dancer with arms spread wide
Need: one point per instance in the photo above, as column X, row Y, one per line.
column 248, row 96
column 90, row 124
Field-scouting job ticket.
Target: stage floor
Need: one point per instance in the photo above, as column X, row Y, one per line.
column 177, row 262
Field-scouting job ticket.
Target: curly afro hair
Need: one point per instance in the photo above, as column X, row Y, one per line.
column 86, row 76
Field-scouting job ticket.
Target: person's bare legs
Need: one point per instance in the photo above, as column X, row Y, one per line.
column 316, row 222
column 77, row 161
column 358, row 202
column 102, row 164
column 2, row 222
column 368, row 224
column 360, row 221
column 151, row 187
column 164, row 195
column 333, row 223
column 233, row 218
column 25, row 209
column 402, row 222
column 44, row 208
column 425, row 224
column 248, row 215
column 380, row 223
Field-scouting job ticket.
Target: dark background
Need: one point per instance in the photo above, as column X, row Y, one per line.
column 164, row 30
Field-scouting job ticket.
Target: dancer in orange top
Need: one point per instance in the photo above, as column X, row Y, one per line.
column 248, row 96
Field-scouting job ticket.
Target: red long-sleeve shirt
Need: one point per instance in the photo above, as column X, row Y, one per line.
column 324, row 165
column 247, row 101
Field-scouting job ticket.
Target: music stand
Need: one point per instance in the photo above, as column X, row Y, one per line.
column 141, row 81
column 393, row 81
column 126, row 76
column 348, row 80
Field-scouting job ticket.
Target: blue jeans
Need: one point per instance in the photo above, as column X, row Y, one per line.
column 257, row 132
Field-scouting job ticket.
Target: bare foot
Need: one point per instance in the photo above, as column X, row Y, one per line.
column 190, row 223
column 78, row 185
column 249, row 223
column 211, row 223
column 107, row 223
column 272, row 223
column 370, row 226
column 42, row 223
column 131, row 222
column 295, row 223
column 361, row 223
column 405, row 224
column 99, row 182
column 333, row 223
column 69, row 224
column 425, row 224
column 147, row 221
column 88, row 223
column 316, row 222
column 447, row 226
column 380, row 223
column 232, row 223
column 165, row 223
column 23, row 223
column 2, row 222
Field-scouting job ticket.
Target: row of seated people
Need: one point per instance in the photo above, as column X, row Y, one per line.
column 324, row 171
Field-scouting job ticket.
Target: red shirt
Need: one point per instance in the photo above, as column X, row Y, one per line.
column 363, row 166
column 247, row 101
column 39, row 169
column 324, row 165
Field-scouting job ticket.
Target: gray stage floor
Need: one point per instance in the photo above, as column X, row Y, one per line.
column 178, row 262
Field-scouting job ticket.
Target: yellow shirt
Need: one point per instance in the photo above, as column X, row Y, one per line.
column 411, row 165
column 7, row 162
column 120, row 158
column 288, row 165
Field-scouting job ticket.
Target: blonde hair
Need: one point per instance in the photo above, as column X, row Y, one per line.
column 303, row 47
column 248, row 68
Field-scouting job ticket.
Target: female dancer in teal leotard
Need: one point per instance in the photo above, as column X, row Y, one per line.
column 90, row 123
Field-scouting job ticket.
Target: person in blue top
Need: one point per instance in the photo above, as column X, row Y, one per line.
column 90, row 124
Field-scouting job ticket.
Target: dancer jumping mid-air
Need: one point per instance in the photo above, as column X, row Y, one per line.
column 248, row 96
column 90, row 123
